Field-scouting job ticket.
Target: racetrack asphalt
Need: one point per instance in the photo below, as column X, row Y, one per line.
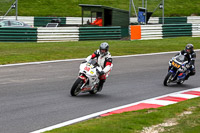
column 36, row 96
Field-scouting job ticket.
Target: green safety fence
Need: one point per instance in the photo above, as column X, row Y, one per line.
column 18, row 34
column 43, row 21
column 176, row 30
column 85, row 33
column 99, row 33
column 173, row 20
column 125, row 32
column 91, row 33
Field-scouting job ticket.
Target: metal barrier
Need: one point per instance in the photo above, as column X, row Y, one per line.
column 195, row 30
column 18, row 34
column 100, row 33
column 57, row 34
column 193, row 19
column 164, row 31
column 173, row 20
column 176, row 30
column 151, row 32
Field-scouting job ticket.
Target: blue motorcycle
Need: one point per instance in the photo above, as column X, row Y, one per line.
column 177, row 70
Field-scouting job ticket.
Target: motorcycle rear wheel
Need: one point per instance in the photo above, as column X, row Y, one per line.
column 167, row 79
column 75, row 90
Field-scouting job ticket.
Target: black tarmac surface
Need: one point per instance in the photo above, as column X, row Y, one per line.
column 33, row 97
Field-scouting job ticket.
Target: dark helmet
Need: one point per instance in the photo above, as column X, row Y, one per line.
column 104, row 46
column 189, row 48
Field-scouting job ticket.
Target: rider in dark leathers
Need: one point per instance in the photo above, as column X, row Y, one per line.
column 189, row 53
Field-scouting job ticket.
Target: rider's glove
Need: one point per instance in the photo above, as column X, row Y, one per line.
column 187, row 66
column 184, row 68
column 170, row 62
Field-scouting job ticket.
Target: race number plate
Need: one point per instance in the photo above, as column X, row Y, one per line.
column 176, row 65
column 87, row 68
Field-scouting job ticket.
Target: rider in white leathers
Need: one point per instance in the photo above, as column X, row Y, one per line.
column 104, row 59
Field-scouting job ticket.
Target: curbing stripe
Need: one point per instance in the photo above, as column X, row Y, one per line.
column 160, row 102
column 184, row 96
column 171, row 98
column 192, row 93
column 135, row 106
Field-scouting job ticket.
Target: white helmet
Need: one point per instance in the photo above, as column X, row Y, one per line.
column 104, row 48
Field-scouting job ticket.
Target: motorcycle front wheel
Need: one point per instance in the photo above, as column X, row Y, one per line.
column 76, row 88
column 167, row 79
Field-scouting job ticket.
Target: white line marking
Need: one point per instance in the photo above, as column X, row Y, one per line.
column 42, row 62
column 107, row 111
column 160, row 102
column 184, row 96
column 79, row 59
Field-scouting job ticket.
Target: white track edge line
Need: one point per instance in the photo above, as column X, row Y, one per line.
column 68, row 60
column 106, row 111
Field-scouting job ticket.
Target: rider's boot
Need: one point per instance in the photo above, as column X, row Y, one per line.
column 187, row 76
column 100, row 85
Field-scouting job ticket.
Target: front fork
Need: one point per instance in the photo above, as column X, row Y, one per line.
column 174, row 75
column 85, row 80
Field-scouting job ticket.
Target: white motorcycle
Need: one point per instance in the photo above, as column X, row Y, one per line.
column 88, row 79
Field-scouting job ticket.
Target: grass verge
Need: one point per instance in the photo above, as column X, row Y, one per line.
column 134, row 122
column 70, row 8
column 31, row 52
column 128, row 122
